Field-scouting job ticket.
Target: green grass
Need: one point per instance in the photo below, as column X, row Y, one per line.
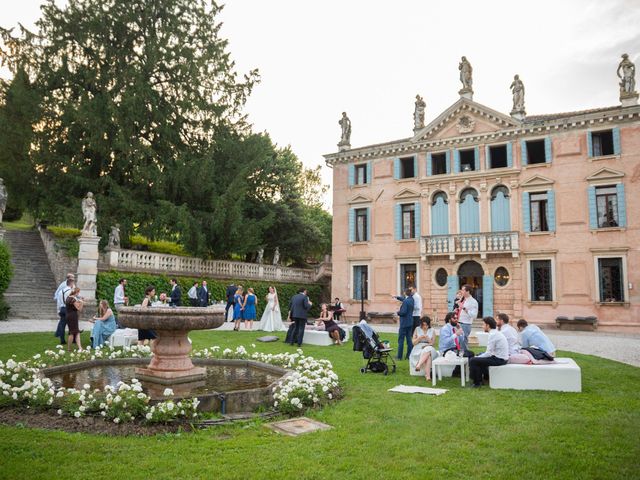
column 466, row 433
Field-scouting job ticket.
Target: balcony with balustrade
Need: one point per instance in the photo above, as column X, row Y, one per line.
column 484, row 244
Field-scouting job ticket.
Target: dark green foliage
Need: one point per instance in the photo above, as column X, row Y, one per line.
column 137, row 282
column 6, row 269
column 4, row 308
column 11, row 214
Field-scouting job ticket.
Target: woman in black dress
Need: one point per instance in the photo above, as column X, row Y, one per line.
column 74, row 305
column 329, row 325
column 147, row 335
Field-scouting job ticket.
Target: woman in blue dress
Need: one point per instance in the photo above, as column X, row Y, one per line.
column 249, row 308
column 104, row 325
column 237, row 308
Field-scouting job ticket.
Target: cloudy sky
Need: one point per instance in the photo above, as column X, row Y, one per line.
column 370, row 58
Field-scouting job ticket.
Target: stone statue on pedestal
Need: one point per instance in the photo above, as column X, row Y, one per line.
column 276, row 256
column 418, row 113
column 627, row 78
column 345, row 124
column 517, row 89
column 260, row 255
column 466, row 76
column 89, row 207
column 114, row 236
column 3, row 199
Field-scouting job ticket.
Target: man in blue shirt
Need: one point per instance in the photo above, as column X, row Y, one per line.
column 532, row 336
column 405, row 331
column 451, row 335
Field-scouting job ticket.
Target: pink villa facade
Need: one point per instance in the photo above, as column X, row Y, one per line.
column 538, row 213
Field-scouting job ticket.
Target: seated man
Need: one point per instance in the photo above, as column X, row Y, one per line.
column 510, row 333
column 451, row 335
column 497, row 353
column 532, row 336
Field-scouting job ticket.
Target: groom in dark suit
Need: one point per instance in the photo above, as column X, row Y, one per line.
column 298, row 313
column 175, row 297
column 231, row 291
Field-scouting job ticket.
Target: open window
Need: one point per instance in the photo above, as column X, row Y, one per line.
column 497, row 156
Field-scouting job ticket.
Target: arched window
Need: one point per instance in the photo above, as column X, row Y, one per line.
column 500, row 209
column 469, row 211
column 440, row 214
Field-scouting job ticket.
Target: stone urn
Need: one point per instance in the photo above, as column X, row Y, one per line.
column 171, row 362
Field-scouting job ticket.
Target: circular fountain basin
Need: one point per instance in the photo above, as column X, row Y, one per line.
column 229, row 386
column 171, row 363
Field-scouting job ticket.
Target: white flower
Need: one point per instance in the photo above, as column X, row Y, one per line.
column 141, row 396
column 167, row 392
column 59, row 411
column 76, row 414
column 116, row 420
column 170, row 406
column 149, row 416
column 86, row 386
column 60, row 394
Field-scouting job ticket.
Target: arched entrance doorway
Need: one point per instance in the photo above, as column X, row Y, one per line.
column 470, row 272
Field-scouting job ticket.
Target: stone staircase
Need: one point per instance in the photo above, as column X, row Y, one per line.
column 30, row 294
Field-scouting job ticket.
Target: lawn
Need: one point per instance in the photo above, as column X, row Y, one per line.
column 466, row 433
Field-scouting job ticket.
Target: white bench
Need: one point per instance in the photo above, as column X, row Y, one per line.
column 123, row 337
column 321, row 338
column 563, row 375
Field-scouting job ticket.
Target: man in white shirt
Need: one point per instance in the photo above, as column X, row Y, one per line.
column 193, row 294
column 468, row 310
column 63, row 284
column 497, row 353
column 119, row 297
column 417, row 307
column 510, row 333
column 61, row 296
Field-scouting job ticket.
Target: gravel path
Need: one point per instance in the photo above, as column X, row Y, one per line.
column 614, row 346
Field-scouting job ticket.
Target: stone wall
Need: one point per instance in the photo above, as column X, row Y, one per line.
column 60, row 263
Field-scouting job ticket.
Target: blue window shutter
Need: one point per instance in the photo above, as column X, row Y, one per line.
column 469, row 213
column 398, row 222
column 487, row 157
column 476, row 159
column 487, row 295
column 551, row 210
column 440, row 218
column 396, row 168
column 500, row 214
column 547, row 149
column 352, row 174
column 415, row 166
column 368, row 239
column 417, row 221
column 448, row 161
column 526, row 213
column 616, row 141
column 589, row 144
column 593, row 211
column 429, row 164
column 509, row 154
column 369, row 172
column 456, row 161
column 452, row 288
column 352, row 225
column 622, row 206
column 523, row 152
column 357, row 282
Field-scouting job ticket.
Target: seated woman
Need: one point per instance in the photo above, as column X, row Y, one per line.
column 147, row 336
column 329, row 325
column 423, row 351
column 104, row 325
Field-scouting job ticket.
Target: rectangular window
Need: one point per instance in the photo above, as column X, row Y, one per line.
column 497, row 156
column 541, row 286
column 467, row 160
column 438, row 163
column 408, row 275
column 602, row 143
column 535, row 151
column 362, row 228
column 611, row 279
column 361, row 174
column 361, row 282
column 407, row 167
column 408, row 221
column 607, row 206
column 538, row 207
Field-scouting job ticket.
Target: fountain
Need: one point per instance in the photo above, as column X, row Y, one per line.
column 171, row 362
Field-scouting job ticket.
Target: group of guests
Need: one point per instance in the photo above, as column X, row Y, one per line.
column 528, row 344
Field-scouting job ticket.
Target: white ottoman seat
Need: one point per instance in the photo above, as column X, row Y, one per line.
column 563, row 375
column 321, row 337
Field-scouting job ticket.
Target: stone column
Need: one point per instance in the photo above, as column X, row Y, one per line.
column 87, row 268
column 112, row 257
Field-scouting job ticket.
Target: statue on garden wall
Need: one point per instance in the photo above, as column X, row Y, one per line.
column 276, row 256
column 89, row 207
column 260, row 255
column 628, row 77
column 114, row 236
column 3, row 199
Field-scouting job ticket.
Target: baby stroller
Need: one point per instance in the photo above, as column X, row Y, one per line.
column 366, row 340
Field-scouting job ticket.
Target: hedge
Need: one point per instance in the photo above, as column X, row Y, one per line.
column 6, row 272
column 138, row 282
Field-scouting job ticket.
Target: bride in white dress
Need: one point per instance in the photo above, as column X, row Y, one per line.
column 271, row 320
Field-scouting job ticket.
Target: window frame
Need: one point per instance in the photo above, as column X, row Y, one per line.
column 606, row 196
column 473, row 162
column 411, row 209
column 542, row 212
column 536, row 140
column 353, row 278
column 404, row 160
column 599, row 133
column 438, row 154
column 408, row 261
column 358, row 168
column 489, row 161
column 625, row 278
column 530, row 279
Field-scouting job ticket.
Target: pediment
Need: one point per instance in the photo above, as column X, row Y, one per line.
column 465, row 117
column 406, row 193
column 536, row 181
column 605, row 174
column 359, row 198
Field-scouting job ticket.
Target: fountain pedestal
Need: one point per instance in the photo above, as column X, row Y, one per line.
column 171, row 362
